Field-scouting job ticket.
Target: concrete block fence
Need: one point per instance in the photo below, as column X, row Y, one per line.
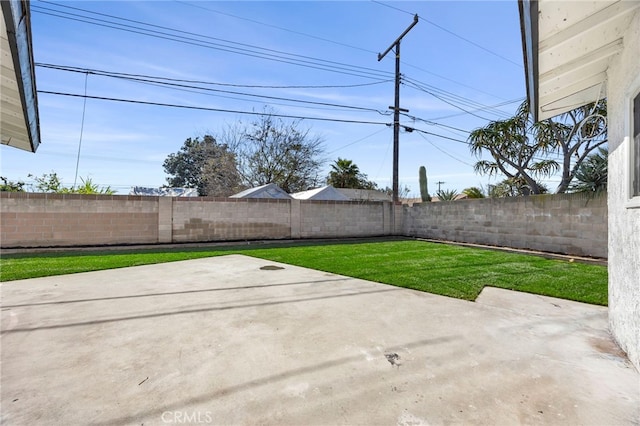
column 61, row 220
column 573, row 224
column 568, row 223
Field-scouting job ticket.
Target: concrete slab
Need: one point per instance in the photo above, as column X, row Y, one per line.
column 225, row 341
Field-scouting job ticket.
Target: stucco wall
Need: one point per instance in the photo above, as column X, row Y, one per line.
column 624, row 220
column 567, row 223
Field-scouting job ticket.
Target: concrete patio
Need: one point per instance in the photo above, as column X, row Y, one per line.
column 236, row 340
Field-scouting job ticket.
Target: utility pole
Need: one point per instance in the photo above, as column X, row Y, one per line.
column 439, row 183
column 396, row 108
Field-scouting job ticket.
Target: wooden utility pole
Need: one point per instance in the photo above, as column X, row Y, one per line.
column 396, row 108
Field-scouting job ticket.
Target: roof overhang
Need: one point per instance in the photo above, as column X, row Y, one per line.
column 19, row 121
column 567, row 48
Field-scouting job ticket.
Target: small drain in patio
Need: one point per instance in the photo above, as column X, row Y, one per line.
column 271, row 268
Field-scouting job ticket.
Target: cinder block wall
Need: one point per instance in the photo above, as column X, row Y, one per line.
column 55, row 220
column 573, row 224
column 344, row 218
column 561, row 223
column 50, row 220
column 224, row 219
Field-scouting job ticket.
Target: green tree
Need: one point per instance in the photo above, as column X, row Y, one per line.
column 473, row 192
column 513, row 187
column 10, row 186
column 204, row 164
column 521, row 149
column 592, row 174
column 346, row 174
column 271, row 150
column 51, row 183
column 88, row 187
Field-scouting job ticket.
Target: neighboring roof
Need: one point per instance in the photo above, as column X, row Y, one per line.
column 364, row 194
column 327, row 193
column 270, row 190
column 19, row 121
column 567, row 48
column 164, row 192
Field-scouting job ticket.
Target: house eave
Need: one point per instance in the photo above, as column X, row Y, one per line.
column 529, row 30
column 20, row 122
column 567, row 49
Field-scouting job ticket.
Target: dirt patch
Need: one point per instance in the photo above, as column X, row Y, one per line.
column 607, row 346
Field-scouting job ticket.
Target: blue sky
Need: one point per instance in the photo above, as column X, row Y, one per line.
column 467, row 53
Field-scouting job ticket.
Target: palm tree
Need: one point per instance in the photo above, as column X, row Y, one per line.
column 473, row 192
column 591, row 176
column 344, row 174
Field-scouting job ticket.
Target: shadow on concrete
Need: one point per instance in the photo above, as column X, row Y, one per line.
column 229, row 390
column 192, row 311
column 170, row 293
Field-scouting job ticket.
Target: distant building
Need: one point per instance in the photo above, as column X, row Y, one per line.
column 164, row 192
column 364, row 194
column 326, row 193
column 270, row 190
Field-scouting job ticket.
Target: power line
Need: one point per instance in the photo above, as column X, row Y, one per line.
column 133, row 101
column 440, row 136
column 277, row 27
column 230, row 46
column 154, row 80
column 452, row 33
column 473, row 43
column 452, row 97
column 416, row 86
column 468, row 86
column 443, row 151
column 479, row 109
column 248, row 86
column 337, row 43
column 357, row 141
column 414, row 118
column 345, row 69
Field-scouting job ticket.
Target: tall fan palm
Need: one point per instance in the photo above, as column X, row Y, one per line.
column 344, row 174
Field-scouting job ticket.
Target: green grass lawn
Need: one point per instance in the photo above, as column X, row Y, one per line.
column 442, row 269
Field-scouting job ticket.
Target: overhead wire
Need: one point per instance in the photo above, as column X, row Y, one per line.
column 278, row 27
column 248, row 86
column 447, row 98
column 315, row 63
column 229, row 46
column 452, row 33
column 162, row 104
column 159, row 81
column 337, row 43
column 443, row 151
column 357, row 141
column 479, row 109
